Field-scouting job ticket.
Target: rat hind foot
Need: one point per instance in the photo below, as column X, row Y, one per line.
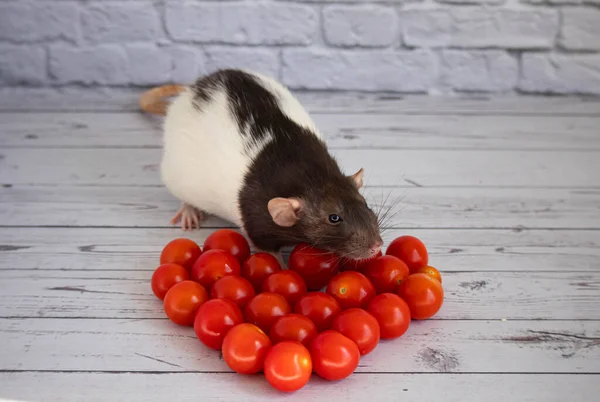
column 190, row 217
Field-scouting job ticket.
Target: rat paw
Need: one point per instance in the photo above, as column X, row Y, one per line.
column 190, row 217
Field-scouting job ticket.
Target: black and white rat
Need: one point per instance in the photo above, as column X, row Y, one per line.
column 239, row 145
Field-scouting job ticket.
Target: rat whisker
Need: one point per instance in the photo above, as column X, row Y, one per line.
column 388, row 215
column 392, row 215
column 380, row 217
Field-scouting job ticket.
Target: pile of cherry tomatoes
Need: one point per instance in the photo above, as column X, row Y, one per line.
column 280, row 321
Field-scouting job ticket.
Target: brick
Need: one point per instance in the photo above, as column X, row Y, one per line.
column 494, row 2
column 492, row 70
column 248, row 23
column 472, row 27
column 22, row 65
column 368, row 25
column 370, row 70
column 103, row 65
column 580, row 28
column 561, row 1
column 353, row 1
column 116, row 22
column 260, row 60
column 188, row 63
column 148, row 64
column 30, row 22
column 560, row 73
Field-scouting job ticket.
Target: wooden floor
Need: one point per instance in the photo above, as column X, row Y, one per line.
column 505, row 192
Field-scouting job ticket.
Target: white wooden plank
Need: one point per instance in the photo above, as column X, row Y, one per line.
column 383, row 167
column 132, row 387
column 394, row 131
column 342, row 131
column 450, row 250
column 468, row 295
column 461, row 104
column 428, row 346
column 415, row 207
column 80, row 130
column 119, row 100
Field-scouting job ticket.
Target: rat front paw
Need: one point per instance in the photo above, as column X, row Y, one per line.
column 190, row 217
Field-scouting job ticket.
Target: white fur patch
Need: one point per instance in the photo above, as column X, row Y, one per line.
column 205, row 157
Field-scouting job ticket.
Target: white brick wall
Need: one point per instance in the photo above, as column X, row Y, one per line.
column 496, row 46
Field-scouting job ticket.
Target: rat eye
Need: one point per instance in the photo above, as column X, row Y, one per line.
column 335, row 219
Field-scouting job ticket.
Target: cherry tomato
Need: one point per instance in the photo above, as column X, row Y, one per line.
column 288, row 366
column 423, row 294
column 293, row 327
column 212, row 266
column 320, row 307
column 351, row 289
column 386, row 273
column 245, row 347
column 265, row 308
column 234, row 288
column 182, row 251
column 334, row 356
column 214, row 319
column 360, row 326
column 410, row 250
column 258, row 267
column 392, row 314
column 286, row 283
column 314, row 265
column 230, row 241
column 431, row 271
column 183, row 300
column 356, row 265
column 165, row 277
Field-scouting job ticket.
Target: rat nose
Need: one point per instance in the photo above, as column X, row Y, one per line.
column 376, row 247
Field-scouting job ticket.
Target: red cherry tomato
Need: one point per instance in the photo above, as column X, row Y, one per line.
column 214, row 319
column 392, row 314
column 386, row 273
column 183, row 300
column 258, row 267
column 351, row 289
column 293, row 327
column 230, row 241
column 288, row 366
column 182, row 251
column 265, row 308
column 234, row 288
column 356, row 265
column 212, row 266
column 431, row 271
column 334, row 356
column 320, row 307
column 286, row 283
column 314, row 265
column 165, row 277
column 360, row 326
column 423, row 294
column 245, row 347
column 410, row 250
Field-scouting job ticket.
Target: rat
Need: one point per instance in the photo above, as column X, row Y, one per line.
column 238, row 145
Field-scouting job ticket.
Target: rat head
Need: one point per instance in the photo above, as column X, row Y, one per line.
column 334, row 218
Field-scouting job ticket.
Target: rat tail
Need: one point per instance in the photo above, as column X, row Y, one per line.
column 152, row 100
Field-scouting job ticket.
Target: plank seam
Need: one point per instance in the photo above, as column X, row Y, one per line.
column 356, row 372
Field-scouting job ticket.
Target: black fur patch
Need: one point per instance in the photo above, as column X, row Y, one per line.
column 254, row 108
column 296, row 163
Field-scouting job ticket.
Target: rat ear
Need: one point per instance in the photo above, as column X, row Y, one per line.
column 284, row 211
column 357, row 178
